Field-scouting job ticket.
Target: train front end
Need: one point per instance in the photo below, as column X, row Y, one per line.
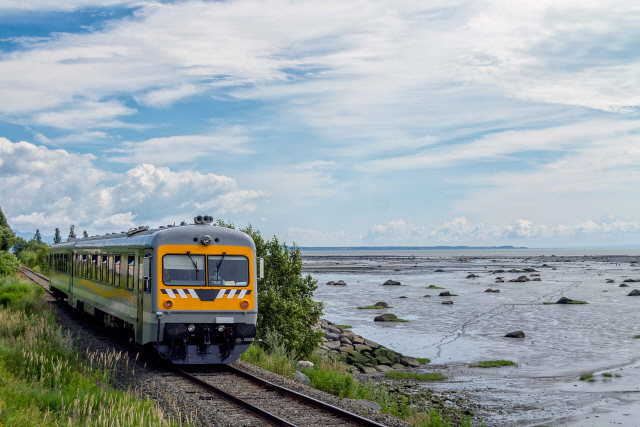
column 205, row 306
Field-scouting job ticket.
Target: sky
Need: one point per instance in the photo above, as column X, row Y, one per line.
column 326, row 123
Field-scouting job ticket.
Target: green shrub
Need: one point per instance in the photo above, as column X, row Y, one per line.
column 9, row 264
column 430, row 376
column 28, row 258
column 493, row 364
column 586, row 377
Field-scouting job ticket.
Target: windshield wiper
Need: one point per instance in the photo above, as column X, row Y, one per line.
column 194, row 263
column 220, row 263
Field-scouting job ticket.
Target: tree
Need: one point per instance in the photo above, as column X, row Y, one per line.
column 7, row 236
column 284, row 295
column 72, row 232
column 9, row 264
column 37, row 237
column 84, row 234
column 56, row 237
column 19, row 245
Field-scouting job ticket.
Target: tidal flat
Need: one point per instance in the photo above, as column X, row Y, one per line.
column 562, row 341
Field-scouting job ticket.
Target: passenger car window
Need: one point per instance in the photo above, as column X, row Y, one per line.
column 180, row 270
column 232, row 270
column 131, row 264
column 116, row 273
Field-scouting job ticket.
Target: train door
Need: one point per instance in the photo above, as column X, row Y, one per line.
column 141, row 289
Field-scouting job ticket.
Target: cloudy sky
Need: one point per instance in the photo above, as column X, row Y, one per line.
column 328, row 123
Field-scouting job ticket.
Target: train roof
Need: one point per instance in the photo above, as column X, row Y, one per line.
column 176, row 235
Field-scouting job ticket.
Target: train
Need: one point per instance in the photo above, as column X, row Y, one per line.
column 188, row 291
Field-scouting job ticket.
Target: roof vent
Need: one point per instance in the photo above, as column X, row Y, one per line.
column 133, row 231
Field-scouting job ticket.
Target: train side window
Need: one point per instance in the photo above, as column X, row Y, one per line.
column 140, row 271
column 90, row 264
column 110, row 276
column 65, row 259
column 103, row 269
column 131, row 270
column 98, row 268
column 84, row 266
column 116, row 272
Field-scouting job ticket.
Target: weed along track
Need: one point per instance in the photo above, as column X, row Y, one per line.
column 220, row 395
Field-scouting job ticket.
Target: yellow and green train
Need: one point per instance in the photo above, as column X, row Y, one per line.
column 190, row 291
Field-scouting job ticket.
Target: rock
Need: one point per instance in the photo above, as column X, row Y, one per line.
column 535, row 275
column 391, row 283
column 384, row 368
column 634, row 293
column 537, row 279
column 340, row 283
column 564, row 300
column 520, row 279
column 499, row 280
column 489, row 290
column 447, row 302
column 610, row 281
column 332, row 329
column 383, row 360
column 322, row 350
column 302, row 378
column 515, row 334
column 497, row 271
column 304, row 364
column 362, row 347
column 346, row 341
column 528, row 270
column 427, row 296
column 330, row 336
column 333, row 345
column 345, row 348
column 410, row 361
column 371, row 344
column 331, row 283
column 445, row 294
column 513, row 270
column 472, row 276
column 402, row 297
column 439, row 271
column 357, row 340
column 385, row 317
column 354, row 357
column 623, row 285
column 372, row 406
column 629, row 281
column 544, row 265
column 496, row 291
column 381, row 304
column 348, row 335
column 397, row 366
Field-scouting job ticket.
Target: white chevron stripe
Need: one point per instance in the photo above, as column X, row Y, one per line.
column 220, row 294
column 232, row 292
column 241, row 294
column 193, row 294
column 181, row 293
column 170, row 293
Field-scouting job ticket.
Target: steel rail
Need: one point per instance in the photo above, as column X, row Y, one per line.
column 357, row 419
column 259, row 412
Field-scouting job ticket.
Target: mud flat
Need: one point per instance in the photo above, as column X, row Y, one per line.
column 562, row 341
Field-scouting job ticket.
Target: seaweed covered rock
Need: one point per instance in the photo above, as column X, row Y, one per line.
column 385, row 317
column 391, row 283
column 515, row 334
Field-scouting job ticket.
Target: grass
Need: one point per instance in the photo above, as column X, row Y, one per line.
column 584, row 377
column 607, row 375
column 372, row 307
column 45, row 381
column 571, row 302
column 345, row 326
column 434, row 287
column 636, row 336
column 493, row 364
column 330, row 375
column 423, row 360
column 397, row 320
column 431, row 376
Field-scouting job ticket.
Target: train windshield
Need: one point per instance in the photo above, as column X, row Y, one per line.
column 183, row 270
column 228, row 270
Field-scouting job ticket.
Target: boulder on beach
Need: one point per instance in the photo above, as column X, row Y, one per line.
column 432, row 286
column 529, row 270
column 623, row 285
column 391, row 283
column 381, row 304
column 402, row 296
column 331, row 283
column 520, row 279
column 427, row 296
column 544, row 265
column 497, row 271
column 492, row 290
column 445, row 294
column 439, row 271
column 537, row 279
column 472, row 276
column 385, row 317
column 515, row 334
column 513, row 270
column 340, row 283
column 629, row 281
column 447, row 302
column 634, row 293
column 610, row 281
column 499, row 280
column 564, row 300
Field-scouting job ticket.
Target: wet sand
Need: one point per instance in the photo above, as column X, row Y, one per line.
column 562, row 341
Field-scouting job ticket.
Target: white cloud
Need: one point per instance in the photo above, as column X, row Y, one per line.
column 40, row 188
column 309, row 237
column 165, row 97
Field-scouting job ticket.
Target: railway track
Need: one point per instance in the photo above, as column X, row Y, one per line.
column 257, row 401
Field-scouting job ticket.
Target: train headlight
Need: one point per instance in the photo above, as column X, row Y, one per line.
column 168, row 304
column 221, row 328
column 205, row 240
column 244, row 304
column 191, row 328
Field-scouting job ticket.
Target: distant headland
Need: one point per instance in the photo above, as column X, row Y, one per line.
column 401, row 248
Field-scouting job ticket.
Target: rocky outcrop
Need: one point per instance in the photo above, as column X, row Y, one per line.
column 634, row 293
column 381, row 304
column 564, row 300
column 445, row 294
column 472, row 276
column 338, row 283
column 515, row 334
column 520, row 279
column 391, row 283
column 385, row 317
